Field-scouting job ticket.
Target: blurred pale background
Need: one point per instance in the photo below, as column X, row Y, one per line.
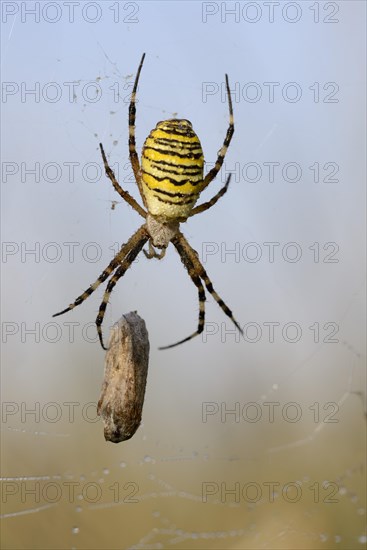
column 298, row 80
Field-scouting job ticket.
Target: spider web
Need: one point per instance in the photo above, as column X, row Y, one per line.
column 154, row 497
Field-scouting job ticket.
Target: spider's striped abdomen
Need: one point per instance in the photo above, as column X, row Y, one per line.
column 172, row 169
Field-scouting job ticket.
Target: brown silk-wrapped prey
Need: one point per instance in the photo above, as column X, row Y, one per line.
column 125, row 376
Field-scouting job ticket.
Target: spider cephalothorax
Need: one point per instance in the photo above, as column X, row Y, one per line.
column 170, row 180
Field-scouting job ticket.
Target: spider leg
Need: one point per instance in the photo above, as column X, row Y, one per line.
column 213, row 201
column 184, row 249
column 227, row 140
column 135, row 248
column 201, row 293
column 134, row 159
column 124, row 194
column 138, row 236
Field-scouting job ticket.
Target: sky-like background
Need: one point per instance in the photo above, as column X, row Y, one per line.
column 246, row 442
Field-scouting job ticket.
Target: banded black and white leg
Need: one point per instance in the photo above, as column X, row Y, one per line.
column 227, row 140
column 124, row 194
column 120, row 272
column 213, row 201
column 136, row 242
column 134, row 159
column 185, row 250
column 201, row 293
column 80, row 299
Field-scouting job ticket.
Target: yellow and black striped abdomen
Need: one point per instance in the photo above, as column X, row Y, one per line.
column 172, row 169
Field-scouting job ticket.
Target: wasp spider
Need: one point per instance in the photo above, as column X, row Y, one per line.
column 170, row 180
